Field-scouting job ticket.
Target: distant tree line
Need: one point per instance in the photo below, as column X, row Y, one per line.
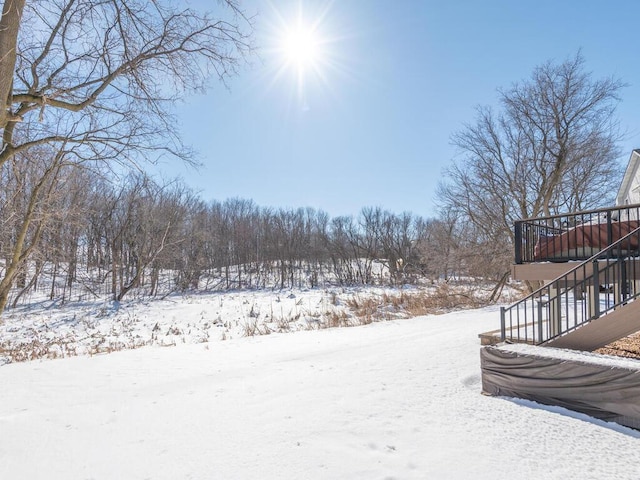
column 91, row 235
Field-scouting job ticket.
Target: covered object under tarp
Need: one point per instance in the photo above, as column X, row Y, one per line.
column 606, row 388
column 583, row 241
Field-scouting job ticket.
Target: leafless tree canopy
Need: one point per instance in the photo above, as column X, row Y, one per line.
column 552, row 146
column 101, row 76
column 86, row 83
column 105, row 238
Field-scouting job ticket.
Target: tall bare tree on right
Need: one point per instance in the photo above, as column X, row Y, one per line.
column 552, row 147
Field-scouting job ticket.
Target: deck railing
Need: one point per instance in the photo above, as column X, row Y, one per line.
column 607, row 280
column 572, row 236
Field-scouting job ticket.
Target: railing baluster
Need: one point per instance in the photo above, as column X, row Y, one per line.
column 518, row 241
column 539, row 322
column 596, row 290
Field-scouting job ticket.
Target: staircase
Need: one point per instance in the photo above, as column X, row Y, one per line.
column 589, row 306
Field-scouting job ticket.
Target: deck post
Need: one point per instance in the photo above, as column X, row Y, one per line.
column 555, row 310
column 540, row 325
column 609, row 230
column 503, row 325
column 517, row 227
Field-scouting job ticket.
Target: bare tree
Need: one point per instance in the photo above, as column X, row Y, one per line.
column 103, row 75
column 439, row 246
column 29, row 184
column 95, row 81
column 9, row 27
column 552, row 147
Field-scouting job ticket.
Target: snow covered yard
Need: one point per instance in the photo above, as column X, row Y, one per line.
column 392, row 400
column 46, row 329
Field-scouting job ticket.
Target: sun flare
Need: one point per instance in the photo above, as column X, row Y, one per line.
column 301, row 46
column 303, row 55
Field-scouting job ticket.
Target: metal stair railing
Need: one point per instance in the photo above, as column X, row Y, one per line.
column 605, row 281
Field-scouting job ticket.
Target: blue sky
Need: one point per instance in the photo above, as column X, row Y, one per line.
column 373, row 125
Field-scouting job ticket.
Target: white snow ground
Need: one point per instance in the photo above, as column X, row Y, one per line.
column 46, row 329
column 392, row 400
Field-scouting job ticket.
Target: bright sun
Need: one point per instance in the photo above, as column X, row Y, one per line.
column 301, row 47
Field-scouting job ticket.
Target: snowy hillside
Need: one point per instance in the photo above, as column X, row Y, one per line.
column 48, row 329
column 391, row 400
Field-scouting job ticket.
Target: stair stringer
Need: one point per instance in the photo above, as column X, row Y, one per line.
column 617, row 324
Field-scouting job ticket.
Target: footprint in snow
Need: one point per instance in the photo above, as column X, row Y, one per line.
column 471, row 381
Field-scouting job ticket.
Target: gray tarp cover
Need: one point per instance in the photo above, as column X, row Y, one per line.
column 598, row 390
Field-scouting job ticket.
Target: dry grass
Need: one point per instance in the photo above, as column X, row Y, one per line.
column 254, row 328
column 363, row 309
column 412, row 304
column 36, row 349
column 338, row 318
column 366, row 310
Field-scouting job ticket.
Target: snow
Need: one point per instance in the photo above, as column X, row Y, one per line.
column 47, row 329
column 574, row 356
column 391, row 400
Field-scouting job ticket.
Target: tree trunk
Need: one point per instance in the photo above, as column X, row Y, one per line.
column 9, row 26
column 497, row 291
